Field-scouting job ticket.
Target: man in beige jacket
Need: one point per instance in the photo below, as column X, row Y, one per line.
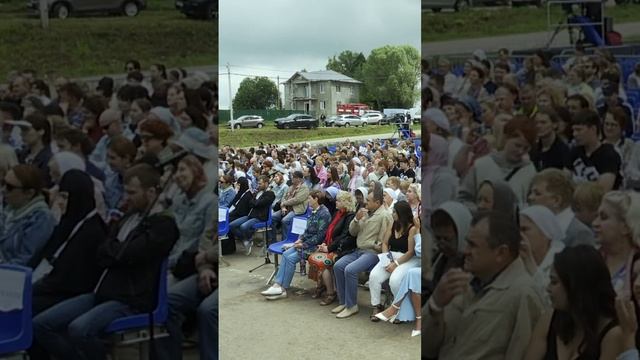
column 294, row 203
column 488, row 310
column 369, row 227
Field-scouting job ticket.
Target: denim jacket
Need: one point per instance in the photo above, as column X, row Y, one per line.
column 226, row 196
column 24, row 232
column 114, row 189
column 316, row 230
column 195, row 218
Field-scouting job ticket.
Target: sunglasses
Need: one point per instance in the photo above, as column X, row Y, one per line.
column 11, row 187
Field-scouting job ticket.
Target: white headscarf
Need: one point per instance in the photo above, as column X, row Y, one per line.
column 545, row 220
column 67, row 160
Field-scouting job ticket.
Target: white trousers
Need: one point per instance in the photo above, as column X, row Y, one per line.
column 379, row 275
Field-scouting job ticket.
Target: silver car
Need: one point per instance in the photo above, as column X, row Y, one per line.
column 372, row 118
column 349, row 120
column 61, row 9
column 247, row 121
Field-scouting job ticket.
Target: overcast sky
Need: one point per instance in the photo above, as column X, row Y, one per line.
column 279, row 37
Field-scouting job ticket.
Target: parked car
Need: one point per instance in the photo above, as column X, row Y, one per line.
column 437, row 5
column 350, row 120
column 62, row 9
column 331, row 120
column 200, row 9
column 297, row 121
column 372, row 117
column 247, row 121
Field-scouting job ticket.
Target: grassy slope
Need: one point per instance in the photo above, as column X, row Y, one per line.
column 99, row 45
column 482, row 23
column 271, row 135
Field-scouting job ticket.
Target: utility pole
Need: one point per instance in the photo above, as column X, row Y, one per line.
column 230, row 98
column 44, row 14
column 278, row 104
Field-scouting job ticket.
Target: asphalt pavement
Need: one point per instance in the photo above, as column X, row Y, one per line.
column 297, row 327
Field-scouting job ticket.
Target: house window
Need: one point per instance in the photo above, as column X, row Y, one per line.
column 308, row 90
column 337, row 88
column 351, row 90
column 322, row 105
column 321, row 88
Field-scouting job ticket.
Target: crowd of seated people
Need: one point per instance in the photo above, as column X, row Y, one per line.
column 535, row 250
column 362, row 205
column 101, row 186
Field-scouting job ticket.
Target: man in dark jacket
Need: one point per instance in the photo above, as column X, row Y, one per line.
column 260, row 207
column 198, row 293
column 131, row 257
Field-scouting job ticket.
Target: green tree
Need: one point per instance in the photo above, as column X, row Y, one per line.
column 391, row 75
column 348, row 63
column 256, row 93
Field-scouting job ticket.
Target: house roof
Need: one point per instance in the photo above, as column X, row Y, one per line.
column 324, row 75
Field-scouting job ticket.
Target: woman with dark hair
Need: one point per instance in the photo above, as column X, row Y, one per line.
column 27, row 220
column 583, row 322
column 314, row 180
column 615, row 122
column 36, row 134
column 71, row 250
column 334, row 178
column 397, row 255
column 191, row 116
column 241, row 203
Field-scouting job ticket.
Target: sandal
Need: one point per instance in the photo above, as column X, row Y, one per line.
column 391, row 318
column 329, row 299
column 317, row 293
column 376, row 309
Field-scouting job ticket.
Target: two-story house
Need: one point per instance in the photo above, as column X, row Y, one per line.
column 320, row 92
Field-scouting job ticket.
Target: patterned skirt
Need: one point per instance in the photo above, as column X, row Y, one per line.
column 318, row 262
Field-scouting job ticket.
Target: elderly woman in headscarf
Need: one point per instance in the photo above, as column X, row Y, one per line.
column 542, row 239
column 450, row 223
column 440, row 181
column 59, row 165
column 356, row 178
column 496, row 195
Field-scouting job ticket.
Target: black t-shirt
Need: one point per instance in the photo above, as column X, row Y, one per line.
column 556, row 157
column 408, row 174
column 604, row 160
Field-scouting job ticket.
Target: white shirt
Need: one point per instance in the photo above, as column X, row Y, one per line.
column 541, row 276
column 565, row 217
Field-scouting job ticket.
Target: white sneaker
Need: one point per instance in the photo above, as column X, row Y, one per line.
column 248, row 244
column 348, row 312
column 272, row 291
column 276, row 297
column 337, row 309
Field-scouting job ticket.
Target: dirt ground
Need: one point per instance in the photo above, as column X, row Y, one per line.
column 297, row 327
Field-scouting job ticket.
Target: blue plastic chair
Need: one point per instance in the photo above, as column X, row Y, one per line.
column 223, row 227
column 276, row 248
column 265, row 226
column 139, row 323
column 16, row 331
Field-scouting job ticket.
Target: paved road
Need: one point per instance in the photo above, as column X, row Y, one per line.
column 512, row 42
column 252, row 327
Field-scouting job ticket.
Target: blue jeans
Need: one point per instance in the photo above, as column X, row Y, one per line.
column 234, row 226
column 346, row 272
column 185, row 297
column 245, row 230
column 71, row 329
column 286, row 221
column 288, row 267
